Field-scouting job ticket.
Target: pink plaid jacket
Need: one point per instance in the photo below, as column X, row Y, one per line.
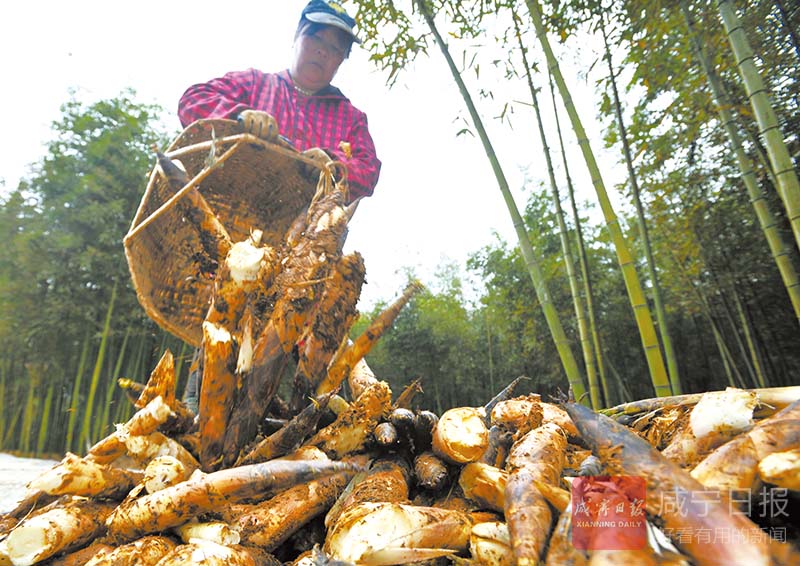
column 322, row 120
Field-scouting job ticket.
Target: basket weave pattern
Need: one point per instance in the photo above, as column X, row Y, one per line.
column 258, row 186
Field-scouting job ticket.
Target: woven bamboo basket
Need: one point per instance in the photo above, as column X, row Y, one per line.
column 248, row 183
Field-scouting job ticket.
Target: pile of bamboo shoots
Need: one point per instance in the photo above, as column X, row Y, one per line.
column 347, row 472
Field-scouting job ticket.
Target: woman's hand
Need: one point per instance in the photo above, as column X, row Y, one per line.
column 258, row 123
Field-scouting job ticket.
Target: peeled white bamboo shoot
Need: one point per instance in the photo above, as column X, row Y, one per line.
column 163, row 472
column 215, row 531
column 144, row 421
column 461, row 435
column 485, row 484
column 782, row 469
column 490, row 544
column 370, row 533
column 85, row 477
column 57, row 530
column 717, row 417
column 146, row 448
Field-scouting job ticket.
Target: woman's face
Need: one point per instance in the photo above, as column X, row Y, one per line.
column 317, row 57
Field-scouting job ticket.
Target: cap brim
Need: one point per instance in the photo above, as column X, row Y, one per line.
column 330, row 20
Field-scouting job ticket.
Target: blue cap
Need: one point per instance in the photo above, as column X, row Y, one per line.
column 331, row 13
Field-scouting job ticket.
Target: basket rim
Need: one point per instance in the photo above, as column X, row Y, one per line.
column 181, row 321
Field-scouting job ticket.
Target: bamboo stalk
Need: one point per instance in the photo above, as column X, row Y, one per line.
column 75, row 396
column 705, row 308
column 769, row 226
column 731, row 370
column 88, row 408
column 644, row 321
column 3, row 415
column 728, row 315
column 34, row 381
column 769, row 129
column 584, row 262
column 774, row 397
column 534, row 269
column 102, row 423
column 580, row 314
column 15, row 420
column 786, row 23
column 748, row 337
column 658, row 302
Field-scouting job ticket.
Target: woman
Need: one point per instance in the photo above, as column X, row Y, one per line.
column 300, row 103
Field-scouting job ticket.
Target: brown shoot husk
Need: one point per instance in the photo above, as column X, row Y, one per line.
column 144, row 421
column 85, row 477
column 202, row 493
column 61, row 529
column 351, row 429
column 146, row 551
column 341, row 366
column 623, row 452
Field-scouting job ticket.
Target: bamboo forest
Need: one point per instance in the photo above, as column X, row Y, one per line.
column 680, row 278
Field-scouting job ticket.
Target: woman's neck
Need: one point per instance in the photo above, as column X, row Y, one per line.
column 300, row 88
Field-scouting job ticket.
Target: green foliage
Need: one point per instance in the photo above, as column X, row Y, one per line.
column 435, row 338
column 61, row 261
column 69, row 218
column 62, row 228
column 705, row 241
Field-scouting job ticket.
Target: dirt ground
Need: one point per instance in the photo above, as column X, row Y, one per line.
column 15, row 473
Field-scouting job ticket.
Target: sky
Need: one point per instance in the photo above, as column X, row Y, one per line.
column 437, row 200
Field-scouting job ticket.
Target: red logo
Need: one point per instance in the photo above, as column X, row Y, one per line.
column 608, row 513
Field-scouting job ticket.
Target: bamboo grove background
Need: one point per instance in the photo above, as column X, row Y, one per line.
column 690, row 286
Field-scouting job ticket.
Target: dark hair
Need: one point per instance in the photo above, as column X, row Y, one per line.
column 306, row 27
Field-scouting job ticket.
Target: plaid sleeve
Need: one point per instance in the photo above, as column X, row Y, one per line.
column 363, row 165
column 224, row 97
